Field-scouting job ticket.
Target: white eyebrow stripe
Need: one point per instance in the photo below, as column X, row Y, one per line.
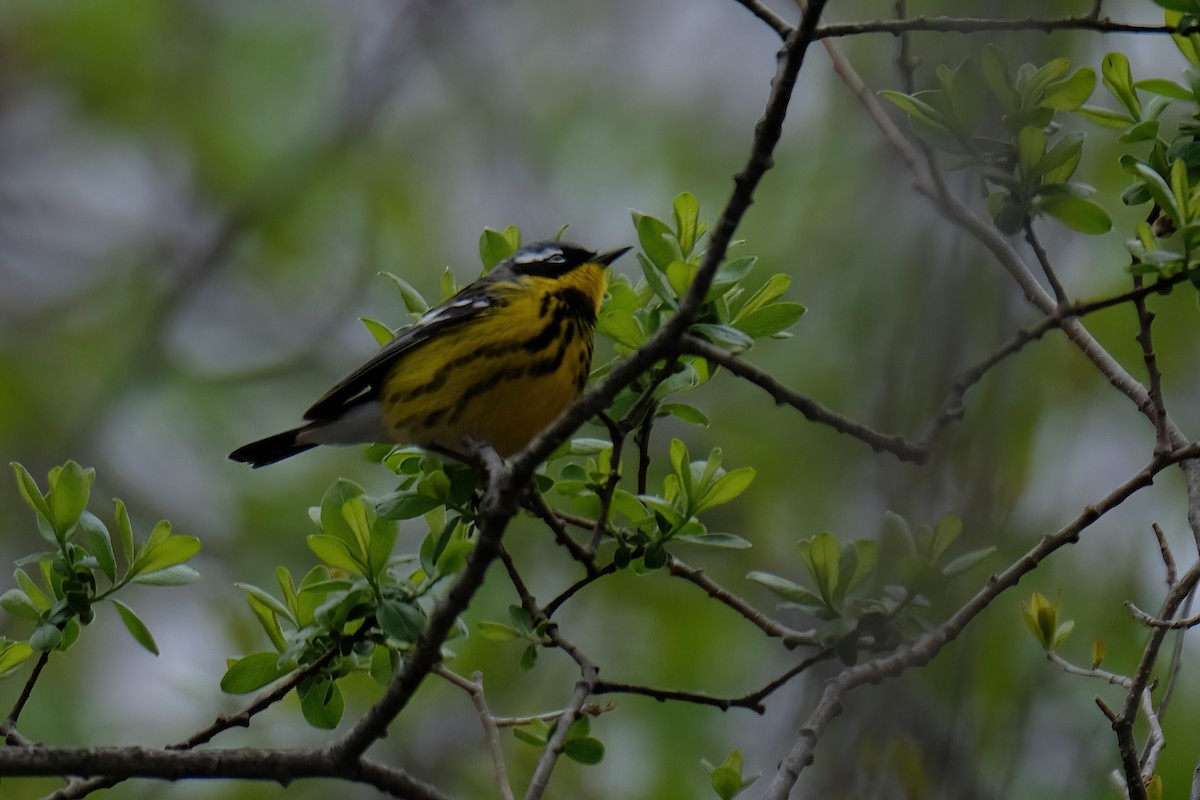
column 531, row 256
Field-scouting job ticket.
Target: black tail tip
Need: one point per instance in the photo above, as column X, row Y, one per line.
column 270, row 450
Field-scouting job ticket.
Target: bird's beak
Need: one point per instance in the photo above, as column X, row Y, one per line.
column 612, row 255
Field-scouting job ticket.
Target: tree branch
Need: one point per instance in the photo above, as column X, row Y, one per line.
column 928, row 645
column 812, row 410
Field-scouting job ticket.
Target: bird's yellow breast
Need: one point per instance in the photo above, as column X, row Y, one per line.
column 502, row 378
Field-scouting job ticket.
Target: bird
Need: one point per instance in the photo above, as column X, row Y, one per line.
column 493, row 365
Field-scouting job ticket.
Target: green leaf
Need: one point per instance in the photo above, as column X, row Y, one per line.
column 1105, row 117
column 768, row 293
column 413, row 301
column 727, row 780
column 253, row 672
column 684, row 412
column 995, row 75
column 822, row 555
column 322, row 703
column 529, row 657
column 267, row 619
column 332, row 519
column 726, row 488
column 158, row 534
column 680, row 275
column 384, row 663
column 1186, row 44
column 866, row 556
column 966, row 562
column 1165, row 88
column 354, row 512
column 336, row 553
column 267, row 600
column 729, row 541
column 724, row 336
column 494, row 247
column 124, row 529
column 785, row 589
column 1082, row 215
column 657, row 241
column 381, row 333
column 769, row 319
column 12, row 656
column 98, row 542
column 1118, row 78
column 1070, row 93
column 1060, row 161
column 31, row 493
column 1031, row 146
column 948, row 529
column 1144, row 131
column 31, row 589
column 178, row 575
column 656, row 279
column 166, row 553
column 914, row 107
column 1180, row 188
column 680, row 461
column 1184, row 6
column 137, row 629
column 687, row 221
column 584, row 751
column 405, row 505
column 536, row 733
column 400, row 620
column 17, row 603
column 1160, row 191
column 46, row 637
column 381, row 544
column 496, row 632
column 69, row 496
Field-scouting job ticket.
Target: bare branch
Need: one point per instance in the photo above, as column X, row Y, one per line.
column 279, row 766
column 1047, row 269
column 491, row 730
column 768, row 16
column 975, row 25
column 9, row 726
column 928, row 645
column 790, row 638
column 879, row 442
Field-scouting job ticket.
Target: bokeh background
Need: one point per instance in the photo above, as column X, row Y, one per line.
column 196, row 197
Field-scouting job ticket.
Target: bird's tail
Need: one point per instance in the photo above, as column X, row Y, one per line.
column 271, row 449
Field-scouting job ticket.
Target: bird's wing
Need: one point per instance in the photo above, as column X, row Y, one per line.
column 471, row 303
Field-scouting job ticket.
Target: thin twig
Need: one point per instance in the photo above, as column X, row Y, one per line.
column 812, row 410
column 1164, row 551
column 1047, row 269
column 491, row 730
column 790, row 638
column 10, row 722
column 537, row 504
column 1162, row 437
column 768, row 16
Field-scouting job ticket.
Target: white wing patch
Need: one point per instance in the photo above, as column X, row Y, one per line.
column 442, row 311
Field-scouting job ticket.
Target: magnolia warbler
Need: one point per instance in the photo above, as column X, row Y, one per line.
column 495, row 364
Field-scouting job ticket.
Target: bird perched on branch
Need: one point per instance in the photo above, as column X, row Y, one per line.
column 495, row 364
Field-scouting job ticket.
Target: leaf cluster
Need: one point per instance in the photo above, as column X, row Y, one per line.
column 1028, row 162
column 849, row 607
column 82, row 569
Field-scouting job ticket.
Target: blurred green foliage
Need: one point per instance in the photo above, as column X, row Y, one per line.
column 197, row 198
